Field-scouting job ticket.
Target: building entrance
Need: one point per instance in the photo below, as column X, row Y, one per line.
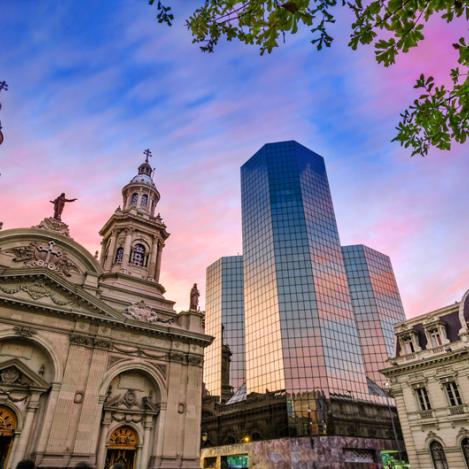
column 122, row 447
column 8, row 423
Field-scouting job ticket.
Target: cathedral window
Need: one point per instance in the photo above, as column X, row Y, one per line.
column 138, row 255
column 134, row 199
column 144, row 201
column 465, row 450
column 438, row 455
column 119, row 255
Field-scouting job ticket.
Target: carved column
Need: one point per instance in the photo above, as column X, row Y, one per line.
column 48, row 417
column 102, row 253
column 127, row 247
column 158, row 261
column 110, row 252
column 26, row 430
column 102, row 440
column 153, row 256
column 147, row 425
column 138, row 456
column 160, row 435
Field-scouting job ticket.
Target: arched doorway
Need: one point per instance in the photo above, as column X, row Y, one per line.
column 8, row 423
column 122, row 447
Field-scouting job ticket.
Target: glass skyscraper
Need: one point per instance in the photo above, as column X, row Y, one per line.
column 300, row 328
column 225, row 321
column 376, row 303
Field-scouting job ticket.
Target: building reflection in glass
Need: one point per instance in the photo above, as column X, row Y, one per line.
column 376, row 303
column 300, row 329
column 224, row 321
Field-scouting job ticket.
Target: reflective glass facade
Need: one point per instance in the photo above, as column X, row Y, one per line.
column 376, row 303
column 224, row 310
column 300, row 329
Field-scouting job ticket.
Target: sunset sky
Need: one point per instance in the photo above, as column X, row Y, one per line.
column 92, row 84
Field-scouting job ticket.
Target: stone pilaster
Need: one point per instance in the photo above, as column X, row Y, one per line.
column 110, row 252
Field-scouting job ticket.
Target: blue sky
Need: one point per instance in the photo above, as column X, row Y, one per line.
column 92, row 84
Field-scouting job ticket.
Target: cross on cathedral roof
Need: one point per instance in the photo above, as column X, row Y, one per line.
column 147, row 154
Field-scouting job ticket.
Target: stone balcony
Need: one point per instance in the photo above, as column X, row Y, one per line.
column 457, row 410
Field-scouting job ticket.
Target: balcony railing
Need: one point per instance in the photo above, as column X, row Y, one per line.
column 426, row 414
column 456, row 410
column 439, row 349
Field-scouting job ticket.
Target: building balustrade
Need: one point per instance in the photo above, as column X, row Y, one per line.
column 426, row 414
column 439, row 349
column 456, row 410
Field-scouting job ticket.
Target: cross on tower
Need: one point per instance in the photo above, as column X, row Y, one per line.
column 147, row 154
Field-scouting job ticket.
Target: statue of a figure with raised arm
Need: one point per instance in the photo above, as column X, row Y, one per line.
column 59, row 204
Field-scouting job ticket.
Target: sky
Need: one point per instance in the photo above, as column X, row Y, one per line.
column 93, row 84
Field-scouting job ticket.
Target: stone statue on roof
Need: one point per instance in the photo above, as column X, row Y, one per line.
column 59, row 204
column 194, row 302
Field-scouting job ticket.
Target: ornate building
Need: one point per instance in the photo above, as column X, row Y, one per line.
column 95, row 364
column 429, row 379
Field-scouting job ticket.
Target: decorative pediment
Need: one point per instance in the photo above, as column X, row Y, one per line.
column 44, row 255
column 44, row 289
column 36, row 290
column 15, row 374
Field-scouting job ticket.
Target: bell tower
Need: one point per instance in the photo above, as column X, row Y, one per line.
column 133, row 238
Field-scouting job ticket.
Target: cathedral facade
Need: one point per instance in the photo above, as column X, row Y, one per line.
column 95, row 364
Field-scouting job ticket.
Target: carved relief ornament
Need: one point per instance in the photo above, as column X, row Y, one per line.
column 129, row 400
column 145, row 313
column 36, row 290
column 45, row 255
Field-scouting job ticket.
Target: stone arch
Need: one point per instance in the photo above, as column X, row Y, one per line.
column 134, row 365
column 18, row 414
column 43, row 344
column 464, row 446
column 463, row 433
column 431, row 436
column 111, row 453
column 438, row 454
column 131, row 393
column 116, row 425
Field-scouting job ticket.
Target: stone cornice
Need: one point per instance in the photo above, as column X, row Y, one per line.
column 130, row 278
column 110, row 316
column 427, row 362
column 126, row 217
column 90, row 341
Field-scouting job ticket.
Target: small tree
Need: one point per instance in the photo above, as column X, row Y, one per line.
column 438, row 117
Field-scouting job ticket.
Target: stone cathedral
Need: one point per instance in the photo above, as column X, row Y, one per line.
column 95, row 364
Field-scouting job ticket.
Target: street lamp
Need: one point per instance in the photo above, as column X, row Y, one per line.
column 387, row 387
